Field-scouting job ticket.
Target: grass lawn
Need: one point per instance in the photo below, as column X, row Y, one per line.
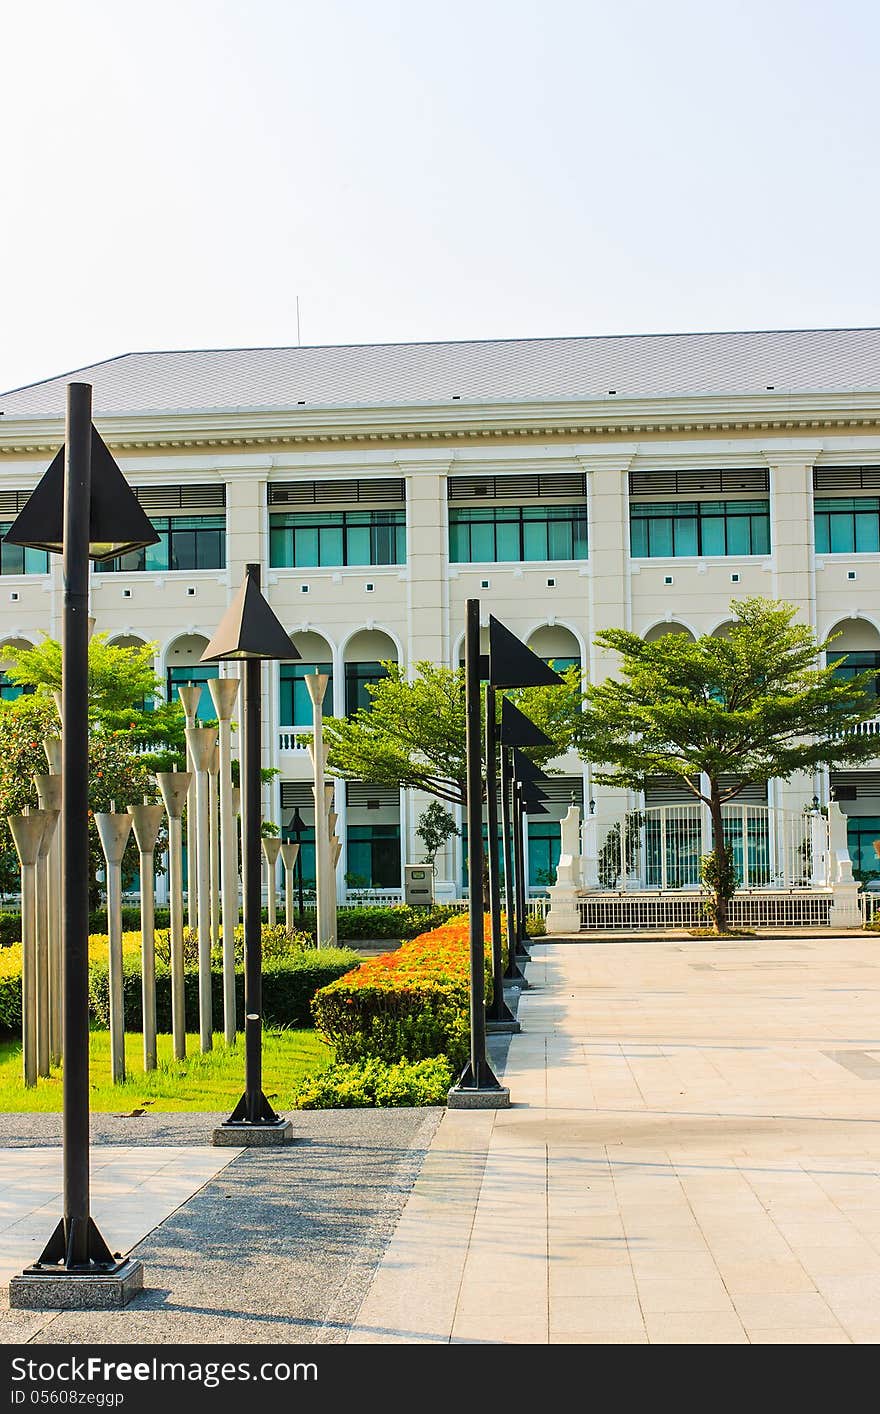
column 211, row 1082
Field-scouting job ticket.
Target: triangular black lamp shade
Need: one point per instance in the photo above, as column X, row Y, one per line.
column 249, row 629
column 533, row 806
column 118, row 523
column 512, row 664
column 519, row 730
column 526, row 770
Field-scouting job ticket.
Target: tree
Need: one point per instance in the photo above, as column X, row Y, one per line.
column 123, row 699
column 434, row 828
column 116, row 774
column 413, row 733
column 750, row 707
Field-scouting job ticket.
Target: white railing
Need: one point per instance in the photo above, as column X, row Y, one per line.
column 365, row 898
column 869, row 903
column 770, row 909
column 870, row 727
column 660, row 847
column 294, row 742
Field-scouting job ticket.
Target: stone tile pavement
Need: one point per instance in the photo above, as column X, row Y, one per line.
column 692, row 1156
column 133, row 1190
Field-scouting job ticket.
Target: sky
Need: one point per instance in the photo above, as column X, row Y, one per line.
column 175, row 174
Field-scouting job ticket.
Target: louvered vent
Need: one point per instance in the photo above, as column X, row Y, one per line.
column 567, row 486
column 11, row 502
column 558, row 790
column 753, row 794
column 846, row 478
column 174, row 500
column 856, row 785
column 297, row 795
column 359, row 794
column 668, row 790
column 376, row 491
column 654, row 485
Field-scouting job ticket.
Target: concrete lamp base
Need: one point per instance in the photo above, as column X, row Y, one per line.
column 68, row 1292
column 253, row 1136
column 459, row 1099
column 503, row 1028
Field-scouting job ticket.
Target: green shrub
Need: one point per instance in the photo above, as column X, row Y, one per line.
column 375, row 1083
column 289, row 984
column 10, row 1004
column 397, row 920
column 535, row 925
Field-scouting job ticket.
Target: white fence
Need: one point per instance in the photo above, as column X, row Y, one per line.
column 770, row 909
column 660, row 848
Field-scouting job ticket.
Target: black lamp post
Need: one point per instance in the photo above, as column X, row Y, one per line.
column 511, row 664
column 84, row 510
column 527, row 800
column 478, row 1086
column 250, row 632
column 296, row 826
column 517, row 730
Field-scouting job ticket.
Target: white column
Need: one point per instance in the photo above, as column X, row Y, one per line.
column 223, row 693
column 201, row 742
column 113, row 830
column 174, row 786
column 316, row 684
column 271, row 850
column 27, row 832
column 189, row 697
column 52, row 748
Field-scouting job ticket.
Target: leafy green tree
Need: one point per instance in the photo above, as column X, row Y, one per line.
column 115, row 774
column 124, row 695
column 435, row 826
column 413, row 733
column 750, row 707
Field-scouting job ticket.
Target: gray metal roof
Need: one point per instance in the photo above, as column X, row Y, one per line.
column 480, row 371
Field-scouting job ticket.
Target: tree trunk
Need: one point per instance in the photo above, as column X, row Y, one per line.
column 722, row 908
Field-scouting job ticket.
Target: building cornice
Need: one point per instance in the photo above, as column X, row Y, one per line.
column 461, row 423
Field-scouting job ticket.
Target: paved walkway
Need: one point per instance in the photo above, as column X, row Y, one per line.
column 693, row 1157
column 133, row 1190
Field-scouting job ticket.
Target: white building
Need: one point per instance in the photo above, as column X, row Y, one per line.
column 569, row 484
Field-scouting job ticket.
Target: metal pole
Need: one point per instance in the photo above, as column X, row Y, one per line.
column 224, row 692
column 42, row 951
column 52, row 748
column 201, row 742
column 477, row 1074
column 316, row 683
column 290, row 857
column 299, row 880
column 190, row 698
column 214, row 837
column 510, row 891
column 114, row 830
column 498, row 1010
column 519, row 866
column 174, row 786
column 253, row 1108
column 27, row 832
column 146, row 820
column 80, row 1240
column 271, row 850
column 334, row 849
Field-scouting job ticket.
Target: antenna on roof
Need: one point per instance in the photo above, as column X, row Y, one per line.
column 298, row 331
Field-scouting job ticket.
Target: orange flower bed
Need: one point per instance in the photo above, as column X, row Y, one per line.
column 405, row 1005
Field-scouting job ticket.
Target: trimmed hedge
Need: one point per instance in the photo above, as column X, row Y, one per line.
column 407, row 1005
column 10, row 923
column 382, row 921
column 289, row 984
